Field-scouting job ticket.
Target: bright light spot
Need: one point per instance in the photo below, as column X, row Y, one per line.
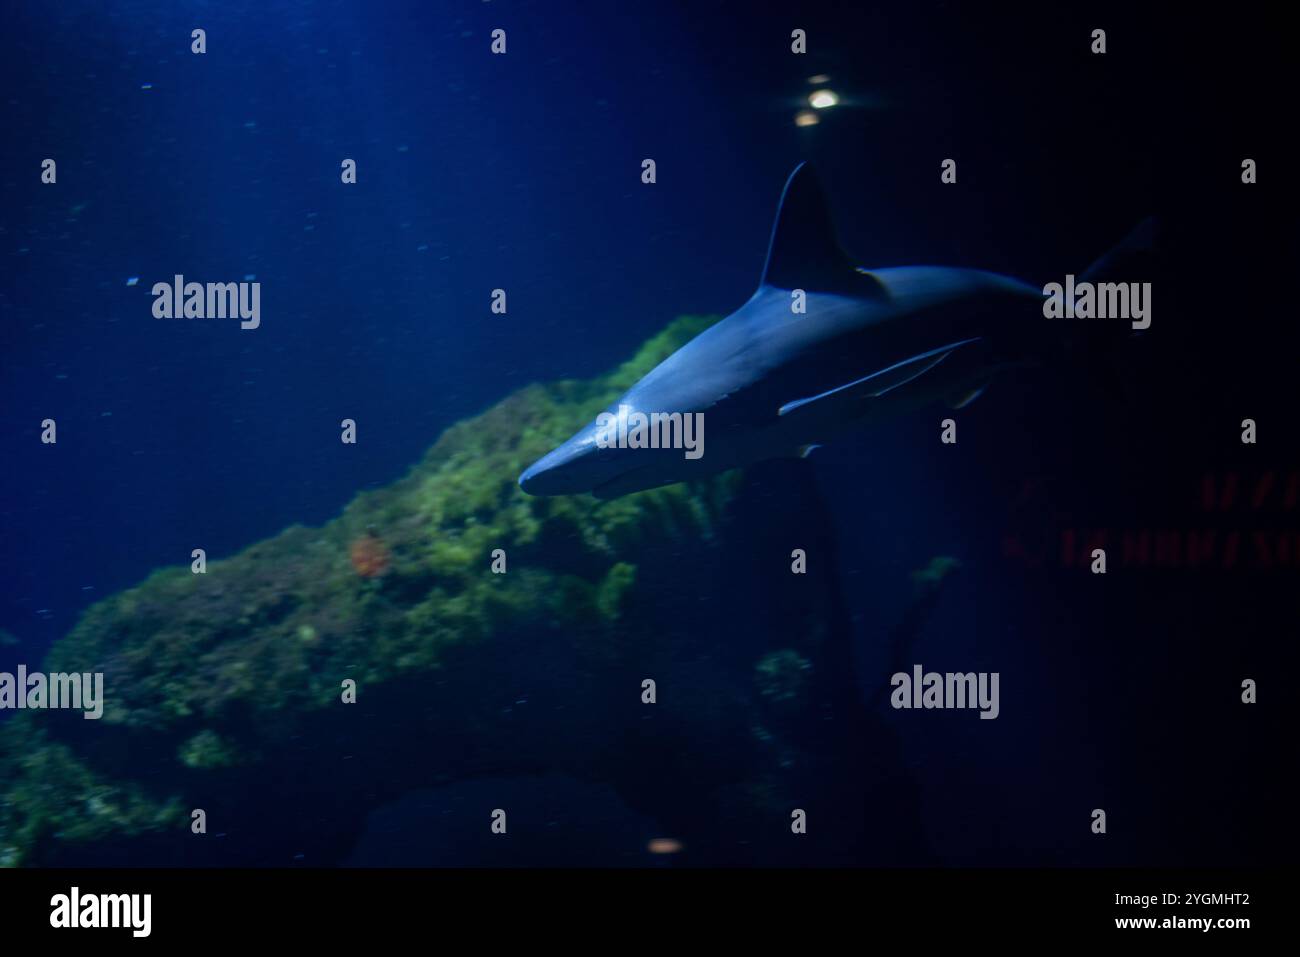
column 806, row 118
column 664, row 845
column 133, row 280
column 823, row 99
column 819, row 79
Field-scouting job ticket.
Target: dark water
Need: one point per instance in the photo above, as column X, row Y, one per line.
column 522, row 172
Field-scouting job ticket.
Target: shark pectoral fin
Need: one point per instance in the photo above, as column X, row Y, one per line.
column 884, row 380
column 963, row 399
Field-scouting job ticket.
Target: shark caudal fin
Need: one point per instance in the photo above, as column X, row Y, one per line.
column 803, row 252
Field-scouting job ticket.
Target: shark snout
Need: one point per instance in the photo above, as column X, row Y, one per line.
column 544, row 476
column 571, row 469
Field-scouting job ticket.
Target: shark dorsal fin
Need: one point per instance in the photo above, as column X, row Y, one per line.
column 803, row 252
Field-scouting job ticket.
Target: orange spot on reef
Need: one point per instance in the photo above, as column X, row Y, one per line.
column 369, row 556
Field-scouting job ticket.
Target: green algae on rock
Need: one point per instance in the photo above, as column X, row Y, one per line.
column 928, row 579
column 208, row 672
column 222, row 690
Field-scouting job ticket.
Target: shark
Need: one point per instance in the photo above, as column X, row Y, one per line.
column 822, row 347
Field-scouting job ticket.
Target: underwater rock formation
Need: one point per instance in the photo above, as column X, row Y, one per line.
column 223, row 691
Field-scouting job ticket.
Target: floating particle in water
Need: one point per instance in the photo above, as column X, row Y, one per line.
column 806, row 118
column 146, row 86
column 422, row 247
column 251, row 125
column 132, row 280
column 403, row 148
column 249, row 276
column 819, row 79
